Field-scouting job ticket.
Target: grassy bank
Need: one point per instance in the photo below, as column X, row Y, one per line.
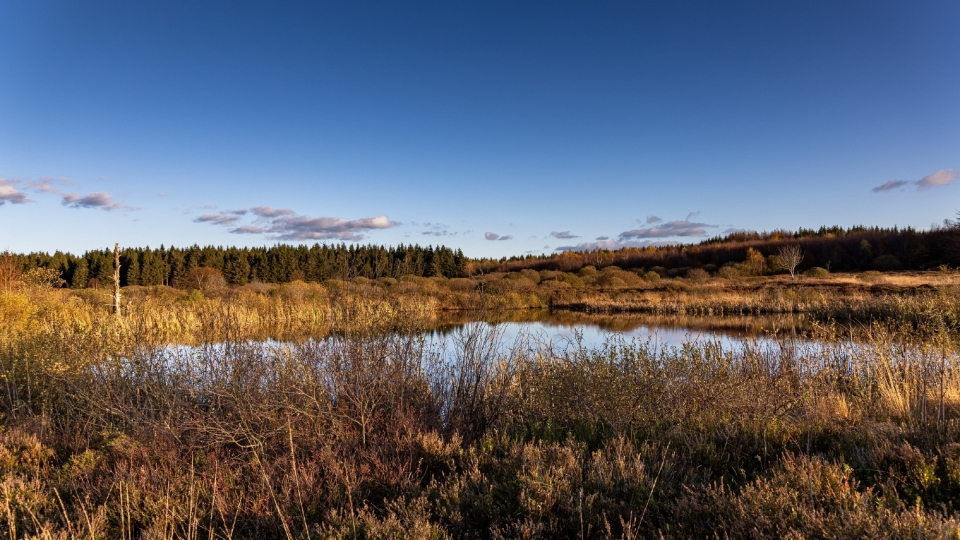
column 371, row 434
column 166, row 315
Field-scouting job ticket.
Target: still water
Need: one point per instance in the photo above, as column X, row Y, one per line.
column 561, row 329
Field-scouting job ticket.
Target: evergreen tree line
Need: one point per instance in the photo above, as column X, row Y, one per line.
column 239, row 266
column 834, row 248
column 837, row 249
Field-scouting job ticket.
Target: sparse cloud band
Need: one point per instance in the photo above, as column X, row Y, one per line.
column 667, row 230
column 285, row 224
column 942, row 177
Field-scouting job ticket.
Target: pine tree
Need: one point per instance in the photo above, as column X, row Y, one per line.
column 79, row 274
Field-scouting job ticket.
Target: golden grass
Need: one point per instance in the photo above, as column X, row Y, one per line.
column 107, row 432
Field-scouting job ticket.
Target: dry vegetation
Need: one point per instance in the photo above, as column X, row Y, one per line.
column 110, row 429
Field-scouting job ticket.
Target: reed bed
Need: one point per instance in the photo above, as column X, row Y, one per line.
column 372, row 432
column 825, row 303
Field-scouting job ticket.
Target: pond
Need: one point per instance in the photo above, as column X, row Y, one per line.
column 529, row 334
column 593, row 330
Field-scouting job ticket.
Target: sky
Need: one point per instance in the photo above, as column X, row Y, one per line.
column 500, row 128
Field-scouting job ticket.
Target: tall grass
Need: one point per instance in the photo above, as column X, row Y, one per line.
column 374, row 433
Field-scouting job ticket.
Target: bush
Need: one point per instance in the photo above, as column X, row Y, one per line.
column 572, row 279
column 532, row 275
column 587, row 271
column 661, row 271
column 677, row 272
column 871, row 276
column 887, row 263
column 548, row 274
column 611, row 279
column 728, row 272
column 191, row 297
column 817, row 272
column 462, row 285
column 698, row 274
column 651, row 276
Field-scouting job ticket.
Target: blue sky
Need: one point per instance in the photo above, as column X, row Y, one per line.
column 501, row 128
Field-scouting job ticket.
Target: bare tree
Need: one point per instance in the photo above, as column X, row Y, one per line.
column 205, row 278
column 116, row 279
column 789, row 258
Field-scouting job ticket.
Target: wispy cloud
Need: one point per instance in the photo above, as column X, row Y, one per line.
column 563, row 235
column 939, row 178
column 668, row 230
column 267, row 212
column 657, row 233
column 190, row 209
column 285, row 224
column 49, row 184
column 98, row 199
column 435, row 229
column 892, row 184
column 325, row 228
column 614, row 245
column 218, row 219
column 248, row 229
column 942, row 177
column 10, row 194
column 494, row 236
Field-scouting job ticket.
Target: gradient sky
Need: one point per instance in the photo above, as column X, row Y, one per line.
column 501, row 128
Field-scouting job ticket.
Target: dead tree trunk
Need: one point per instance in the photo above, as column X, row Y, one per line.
column 116, row 279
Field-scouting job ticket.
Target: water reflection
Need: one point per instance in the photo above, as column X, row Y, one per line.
column 592, row 330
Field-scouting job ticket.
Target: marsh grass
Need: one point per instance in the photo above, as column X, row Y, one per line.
column 108, row 431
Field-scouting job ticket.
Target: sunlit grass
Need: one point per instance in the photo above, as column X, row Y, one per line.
column 109, row 432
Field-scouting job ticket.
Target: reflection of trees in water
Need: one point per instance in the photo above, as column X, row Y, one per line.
column 734, row 325
column 449, row 322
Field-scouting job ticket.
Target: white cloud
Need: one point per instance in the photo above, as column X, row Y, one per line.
column 494, row 236
column 325, row 228
column 563, row 235
column 10, row 194
column 939, row 178
column 285, row 224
